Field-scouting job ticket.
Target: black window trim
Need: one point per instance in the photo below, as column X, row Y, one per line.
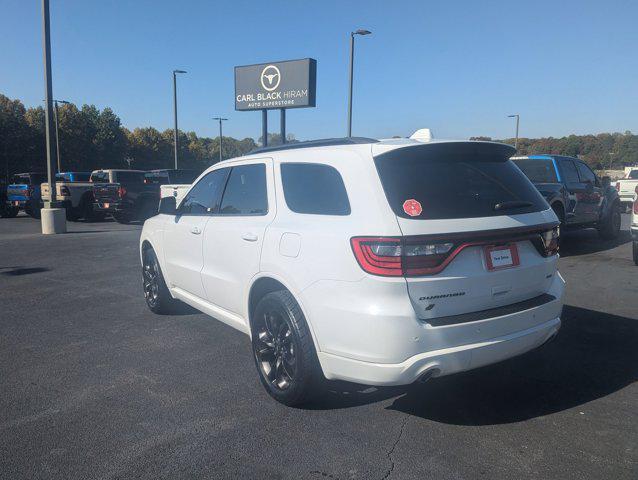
column 313, row 213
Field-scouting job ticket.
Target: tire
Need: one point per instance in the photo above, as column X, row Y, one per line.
column 283, row 350
column 73, row 214
column 609, row 228
column 635, row 251
column 123, row 218
column 10, row 212
column 156, row 293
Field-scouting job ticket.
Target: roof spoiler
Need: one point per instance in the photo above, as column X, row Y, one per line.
column 422, row 135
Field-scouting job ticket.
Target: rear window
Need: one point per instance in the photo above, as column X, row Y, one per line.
column 183, row 176
column 633, row 175
column 314, row 188
column 80, row 177
column 456, row 180
column 129, row 177
column 538, row 171
column 100, row 177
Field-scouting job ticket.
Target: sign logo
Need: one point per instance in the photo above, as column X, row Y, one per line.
column 412, row 207
column 270, row 78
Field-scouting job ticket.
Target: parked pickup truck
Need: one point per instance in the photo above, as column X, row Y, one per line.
column 24, row 193
column 75, row 191
column 172, row 182
column 124, row 194
column 579, row 198
column 627, row 188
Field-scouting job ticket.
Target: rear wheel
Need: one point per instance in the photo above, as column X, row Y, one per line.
column 33, row 211
column 609, row 229
column 635, row 251
column 158, row 298
column 10, row 212
column 283, row 349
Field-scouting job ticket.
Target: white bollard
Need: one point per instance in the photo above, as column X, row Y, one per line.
column 53, row 220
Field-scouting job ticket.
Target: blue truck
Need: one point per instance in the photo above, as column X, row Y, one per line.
column 23, row 193
column 578, row 196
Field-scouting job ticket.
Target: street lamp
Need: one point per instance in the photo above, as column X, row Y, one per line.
column 220, row 119
column 175, row 72
column 57, row 135
column 517, row 119
column 352, row 34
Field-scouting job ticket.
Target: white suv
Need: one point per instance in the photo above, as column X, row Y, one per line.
column 376, row 262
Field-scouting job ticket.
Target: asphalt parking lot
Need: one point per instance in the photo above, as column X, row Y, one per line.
column 93, row 385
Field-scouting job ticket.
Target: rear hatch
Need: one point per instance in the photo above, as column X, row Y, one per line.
column 477, row 235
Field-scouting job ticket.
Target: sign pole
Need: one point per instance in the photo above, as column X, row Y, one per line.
column 264, row 127
column 282, row 127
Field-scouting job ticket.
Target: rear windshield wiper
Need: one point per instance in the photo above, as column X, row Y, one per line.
column 512, row 204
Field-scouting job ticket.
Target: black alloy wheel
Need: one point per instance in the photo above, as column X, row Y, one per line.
column 156, row 293
column 275, row 350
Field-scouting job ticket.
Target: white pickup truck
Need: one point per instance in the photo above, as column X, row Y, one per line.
column 173, row 183
column 75, row 191
column 627, row 188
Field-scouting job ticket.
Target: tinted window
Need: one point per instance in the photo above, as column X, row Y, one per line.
column 456, row 180
column 245, row 192
column 182, row 176
column 203, row 198
column 37, row 178
column 100, row 177
column 20, row 179
column 79, row 177
column 585, row 174
column 569, row 171
column 129, row 177
column 314, row 188
column 538, row 171
column 633, row 175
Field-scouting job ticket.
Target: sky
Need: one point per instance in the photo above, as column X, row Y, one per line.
column 456, row 67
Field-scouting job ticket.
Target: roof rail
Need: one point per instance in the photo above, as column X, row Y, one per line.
column 326, row 142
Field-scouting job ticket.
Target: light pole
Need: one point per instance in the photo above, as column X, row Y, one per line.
column 352, row 34
column 57, row 135
column 517, row 119
column 220, row 119
column 175, row 72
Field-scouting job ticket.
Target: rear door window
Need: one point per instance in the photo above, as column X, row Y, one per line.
column 314, row 189
column 569, row 171
column 456, row 180
column 246, row 192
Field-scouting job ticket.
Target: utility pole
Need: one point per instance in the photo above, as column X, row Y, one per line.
column 57, row 135
column 352, row 34
column 517, row 119
column 176, row 141
column 220, row 135
column 53, row 219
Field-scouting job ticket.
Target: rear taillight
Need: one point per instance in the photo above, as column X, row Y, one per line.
column 64, row 191
column 121, row 192
column 28, row 192
column 395, row 257
column 550, row 240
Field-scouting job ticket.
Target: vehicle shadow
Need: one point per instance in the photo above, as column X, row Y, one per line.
column 19, row 271
column 593, row 356
column 583, row 242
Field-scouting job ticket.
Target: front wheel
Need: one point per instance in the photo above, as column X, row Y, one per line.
column 10, row 212
column 609, row 229
column 158, row 298
column 283, row 350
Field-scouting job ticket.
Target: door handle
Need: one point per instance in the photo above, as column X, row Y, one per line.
column 195, row 230
column 249, row 237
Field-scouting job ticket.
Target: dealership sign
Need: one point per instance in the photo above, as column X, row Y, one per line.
column 288, row 84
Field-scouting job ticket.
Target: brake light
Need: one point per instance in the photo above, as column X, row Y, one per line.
column 550, row 239
column 121, row 192
column 396, row 257
column 64, row 191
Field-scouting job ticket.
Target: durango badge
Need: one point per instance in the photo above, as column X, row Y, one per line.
column 412, row 207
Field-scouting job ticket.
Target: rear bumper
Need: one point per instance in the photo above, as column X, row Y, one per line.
column 629, row 198
column 634, row 232
column 111, row 207
column 439, row 362
column 380, row 341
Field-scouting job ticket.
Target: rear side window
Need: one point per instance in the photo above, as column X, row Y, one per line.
column 245, row 192
column 129, row 177
column 538, row 171
column 314, row 188
column 456, row 180
column 203, row 198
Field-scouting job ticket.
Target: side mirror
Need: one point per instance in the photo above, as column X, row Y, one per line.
column 606, row 180
column 168, row 206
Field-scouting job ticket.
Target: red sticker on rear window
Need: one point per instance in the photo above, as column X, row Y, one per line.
column 412, row 207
